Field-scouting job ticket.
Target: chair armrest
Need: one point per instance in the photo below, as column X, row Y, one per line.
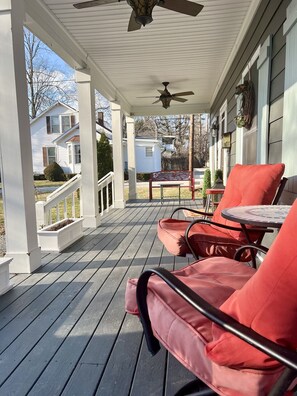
column 204, row 221
column 191, row 210
column 240, row 250
column 278, row 352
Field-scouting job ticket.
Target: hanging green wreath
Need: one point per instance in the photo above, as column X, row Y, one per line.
column 245, row 115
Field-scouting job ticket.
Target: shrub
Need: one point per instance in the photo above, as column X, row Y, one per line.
column 38, row 176
column 53, row 172
column 104, row 156
column 206, row 182
column 218, row 175
column 143, row 177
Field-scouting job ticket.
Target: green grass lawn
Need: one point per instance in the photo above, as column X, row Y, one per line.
column 142, row 193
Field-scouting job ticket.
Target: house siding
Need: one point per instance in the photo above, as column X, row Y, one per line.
column 268, row 20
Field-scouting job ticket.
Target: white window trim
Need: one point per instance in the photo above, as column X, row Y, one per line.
column 264, row 69
column 239, row 131
column 223, row 159
column 60, row 116
column 47, row 155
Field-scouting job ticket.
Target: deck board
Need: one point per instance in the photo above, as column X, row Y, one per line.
column 64, row 330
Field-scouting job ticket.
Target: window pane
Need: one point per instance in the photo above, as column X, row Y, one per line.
column 51, row 154
column 148, row 151
column 70, row 154
column 55, row 124
column 77, row 153
column 65, row 123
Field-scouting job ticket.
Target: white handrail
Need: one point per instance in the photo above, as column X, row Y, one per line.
column 56, row 202
column 44, row 210
column 106, row 193
column 64, row 186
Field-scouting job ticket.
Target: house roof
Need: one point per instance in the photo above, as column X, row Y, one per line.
column 74, row 139
column 50, row 108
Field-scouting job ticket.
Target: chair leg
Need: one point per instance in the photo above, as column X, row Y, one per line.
column 195, row 388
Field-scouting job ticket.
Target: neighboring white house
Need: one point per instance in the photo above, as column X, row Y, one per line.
column 45, row 128
column 55, row 137
column 148, row 155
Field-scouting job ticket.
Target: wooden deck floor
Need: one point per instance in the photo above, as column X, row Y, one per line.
column 64, row 330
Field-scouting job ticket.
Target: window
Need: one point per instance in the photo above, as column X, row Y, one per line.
column 77, row 154
column 66, row 122
column 148, row 151
column 49, row 155
column 54, row 124
column 59, row 123
column 70, row 154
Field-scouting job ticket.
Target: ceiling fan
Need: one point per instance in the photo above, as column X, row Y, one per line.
column 142, row 9
column 166, row 97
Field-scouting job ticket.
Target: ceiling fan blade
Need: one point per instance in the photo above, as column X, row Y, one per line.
column 157, row 101
column 145, row 97
column 93, row 3
column 182, row 6
column 179, row 99
column 133, row 25
column 160, row 90
column 183, row 93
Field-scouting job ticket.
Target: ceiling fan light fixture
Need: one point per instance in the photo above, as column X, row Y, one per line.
column 166, row 101
column 143, row 10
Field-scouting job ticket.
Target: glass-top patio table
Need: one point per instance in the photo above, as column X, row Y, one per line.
column 258, row 215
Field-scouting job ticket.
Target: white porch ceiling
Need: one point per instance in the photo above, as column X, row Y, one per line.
column 192, row 53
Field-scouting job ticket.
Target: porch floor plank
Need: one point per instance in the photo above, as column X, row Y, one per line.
column 64, row 330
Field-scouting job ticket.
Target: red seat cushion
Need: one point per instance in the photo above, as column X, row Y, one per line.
column 206, row 239
column 246, row 185
column 267, row 304
column 185, row 332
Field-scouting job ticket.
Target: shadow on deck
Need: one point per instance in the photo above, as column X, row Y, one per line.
column 64, row 330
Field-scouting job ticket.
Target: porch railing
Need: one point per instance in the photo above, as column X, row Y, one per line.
column 62, row 203
column 106, row 193
column 65, row 201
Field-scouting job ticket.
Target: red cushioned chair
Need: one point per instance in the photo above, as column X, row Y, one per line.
column 246, row 185
column 230, row 325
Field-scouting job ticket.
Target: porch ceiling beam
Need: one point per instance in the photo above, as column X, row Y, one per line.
column 41, row 22
column 157, row 109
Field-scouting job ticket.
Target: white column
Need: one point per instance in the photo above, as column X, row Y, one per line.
column 239, row 136
column 118, row 164
column 211, row 156
column 289, row 144
column 131, row 157
column 15, row 143
column 263, row 65
column 88, row 147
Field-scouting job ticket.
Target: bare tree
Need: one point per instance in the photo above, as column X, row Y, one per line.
column 146, row 127
column 177, row 126
column 201, row 140
column 46, row 84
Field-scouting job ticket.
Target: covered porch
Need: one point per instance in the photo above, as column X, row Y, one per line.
column 63, row 325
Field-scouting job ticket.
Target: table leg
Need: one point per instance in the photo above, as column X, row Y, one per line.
column 161, row 190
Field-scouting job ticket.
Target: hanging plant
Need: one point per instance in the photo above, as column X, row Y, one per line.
column 245, row 115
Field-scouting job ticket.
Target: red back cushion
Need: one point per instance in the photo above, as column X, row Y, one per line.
column 249, row 185
column 267, row 303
